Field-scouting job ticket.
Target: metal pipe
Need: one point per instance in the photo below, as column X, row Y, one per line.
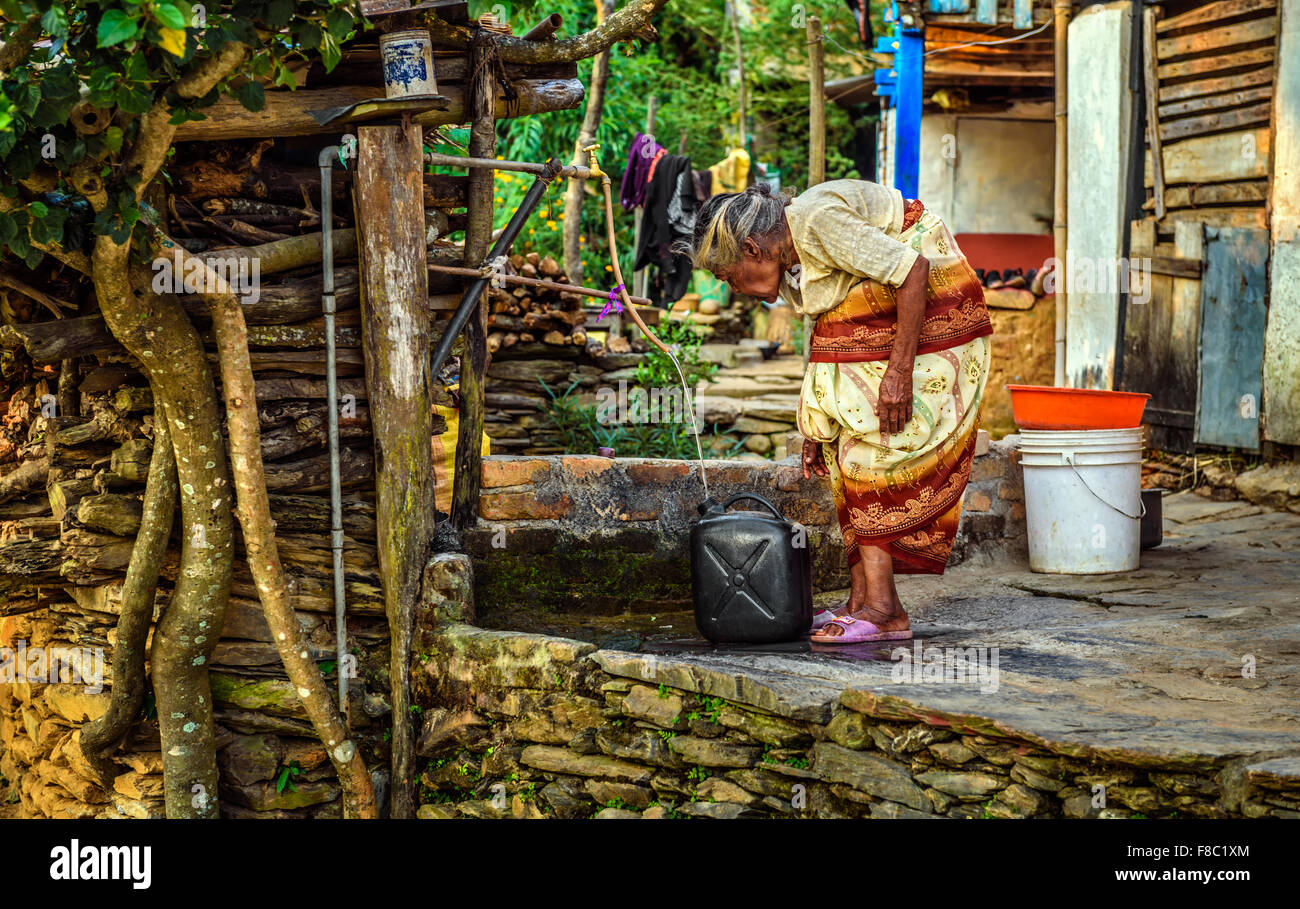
column 326, row 162
column 546, row 29
column 527, row 167
column 469, row 302
column 1061, row 13
column 535, row 282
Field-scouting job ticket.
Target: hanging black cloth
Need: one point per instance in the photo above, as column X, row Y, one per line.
column 670, row 208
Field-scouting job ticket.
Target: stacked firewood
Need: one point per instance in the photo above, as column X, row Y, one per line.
column 528, row 313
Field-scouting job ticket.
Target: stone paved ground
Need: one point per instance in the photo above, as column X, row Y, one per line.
column 1144, row 663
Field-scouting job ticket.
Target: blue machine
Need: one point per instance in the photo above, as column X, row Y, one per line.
column 901, row 87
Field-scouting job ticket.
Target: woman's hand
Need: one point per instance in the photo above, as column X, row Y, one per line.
column 813, row 460
column 894, row 406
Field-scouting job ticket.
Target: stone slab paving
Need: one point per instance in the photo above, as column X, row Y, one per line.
column 1193, row 658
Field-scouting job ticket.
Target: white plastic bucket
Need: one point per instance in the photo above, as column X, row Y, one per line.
column 1083, row 499
column 408, row 63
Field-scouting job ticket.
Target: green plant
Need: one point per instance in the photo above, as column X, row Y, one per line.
column 656, row 369
column 284, row 778
column 699, row 774
column 664, row 690
column 712, row 708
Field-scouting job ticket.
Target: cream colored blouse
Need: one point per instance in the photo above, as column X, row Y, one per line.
column 844, row 231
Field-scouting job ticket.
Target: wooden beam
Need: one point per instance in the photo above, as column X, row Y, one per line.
column 1216, row 85
column 397, row 333
column 1198, row 195
column 1202, row 65
column 1219, row 121
column 1151, row 84
column 1178, row 268
column 1214, row 12
column 1217, row 217
column 1215, row 102
column 1218, row 39
column 478, row 238
column 1215, row 159
column 288, row 113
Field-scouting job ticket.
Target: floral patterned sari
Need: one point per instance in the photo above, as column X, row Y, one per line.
column 901, row 491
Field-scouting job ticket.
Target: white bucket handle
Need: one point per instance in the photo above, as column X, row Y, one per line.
column 1068, row 457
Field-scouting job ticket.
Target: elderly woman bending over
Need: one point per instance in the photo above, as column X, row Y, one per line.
column 898, row 362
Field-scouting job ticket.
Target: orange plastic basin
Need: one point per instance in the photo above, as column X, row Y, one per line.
column 1045, row 407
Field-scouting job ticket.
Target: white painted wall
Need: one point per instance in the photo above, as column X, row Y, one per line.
column 987, row 175
column 1282, row 337
column 1100, row 109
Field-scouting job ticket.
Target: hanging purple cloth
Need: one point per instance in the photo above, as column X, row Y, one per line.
column 632, row 191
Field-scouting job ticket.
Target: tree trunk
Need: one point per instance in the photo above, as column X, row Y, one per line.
column 138, row 592
column 574, row 192
column 157, row 332
column 396, row 332
column 263, row 555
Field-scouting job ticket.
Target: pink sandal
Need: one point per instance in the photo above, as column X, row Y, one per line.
column 823, row 618
column 859, row 631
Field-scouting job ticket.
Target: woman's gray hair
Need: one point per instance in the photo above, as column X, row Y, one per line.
column 727, row 220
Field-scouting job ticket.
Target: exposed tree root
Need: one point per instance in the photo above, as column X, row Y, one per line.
column 101, row 736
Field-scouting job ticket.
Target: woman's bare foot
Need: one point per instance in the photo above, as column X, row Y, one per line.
column 873, row 598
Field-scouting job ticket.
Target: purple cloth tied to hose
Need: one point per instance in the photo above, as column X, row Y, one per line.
column 632, row 190
column 615, row 303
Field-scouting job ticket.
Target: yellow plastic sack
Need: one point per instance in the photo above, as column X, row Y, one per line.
column 444, row 457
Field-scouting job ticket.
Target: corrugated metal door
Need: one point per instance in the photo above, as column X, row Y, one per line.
column 1233, row 313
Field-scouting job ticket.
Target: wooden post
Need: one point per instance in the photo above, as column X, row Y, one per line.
column 396, row 340
column 641, row 277
column 816, row 103
column 1060, row 31
column 816, row 133
column 740, row 69
column 478, row 239
column 1150, row 80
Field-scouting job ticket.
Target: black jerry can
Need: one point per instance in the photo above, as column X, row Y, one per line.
column 751, row 575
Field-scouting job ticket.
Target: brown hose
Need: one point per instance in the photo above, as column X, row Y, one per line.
column 618, row 271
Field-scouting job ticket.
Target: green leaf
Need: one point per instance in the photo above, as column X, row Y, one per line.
column 134, row 100
column 252, row 96
column 112, row 138
column 338, row 23
column 39, row 209
column 278, row 13
column 169, row 16
column 8, row 229
column 330, row 53
column 116, row 27
column 55, row 21
column 27, row 98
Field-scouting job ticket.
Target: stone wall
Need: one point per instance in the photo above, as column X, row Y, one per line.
column 581, row 534
column 529, row 726
column 550, row 527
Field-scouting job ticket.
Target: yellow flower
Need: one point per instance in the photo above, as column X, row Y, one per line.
column 531, row 231
column 551, row 224
column 498, row 200
column 609, row 268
